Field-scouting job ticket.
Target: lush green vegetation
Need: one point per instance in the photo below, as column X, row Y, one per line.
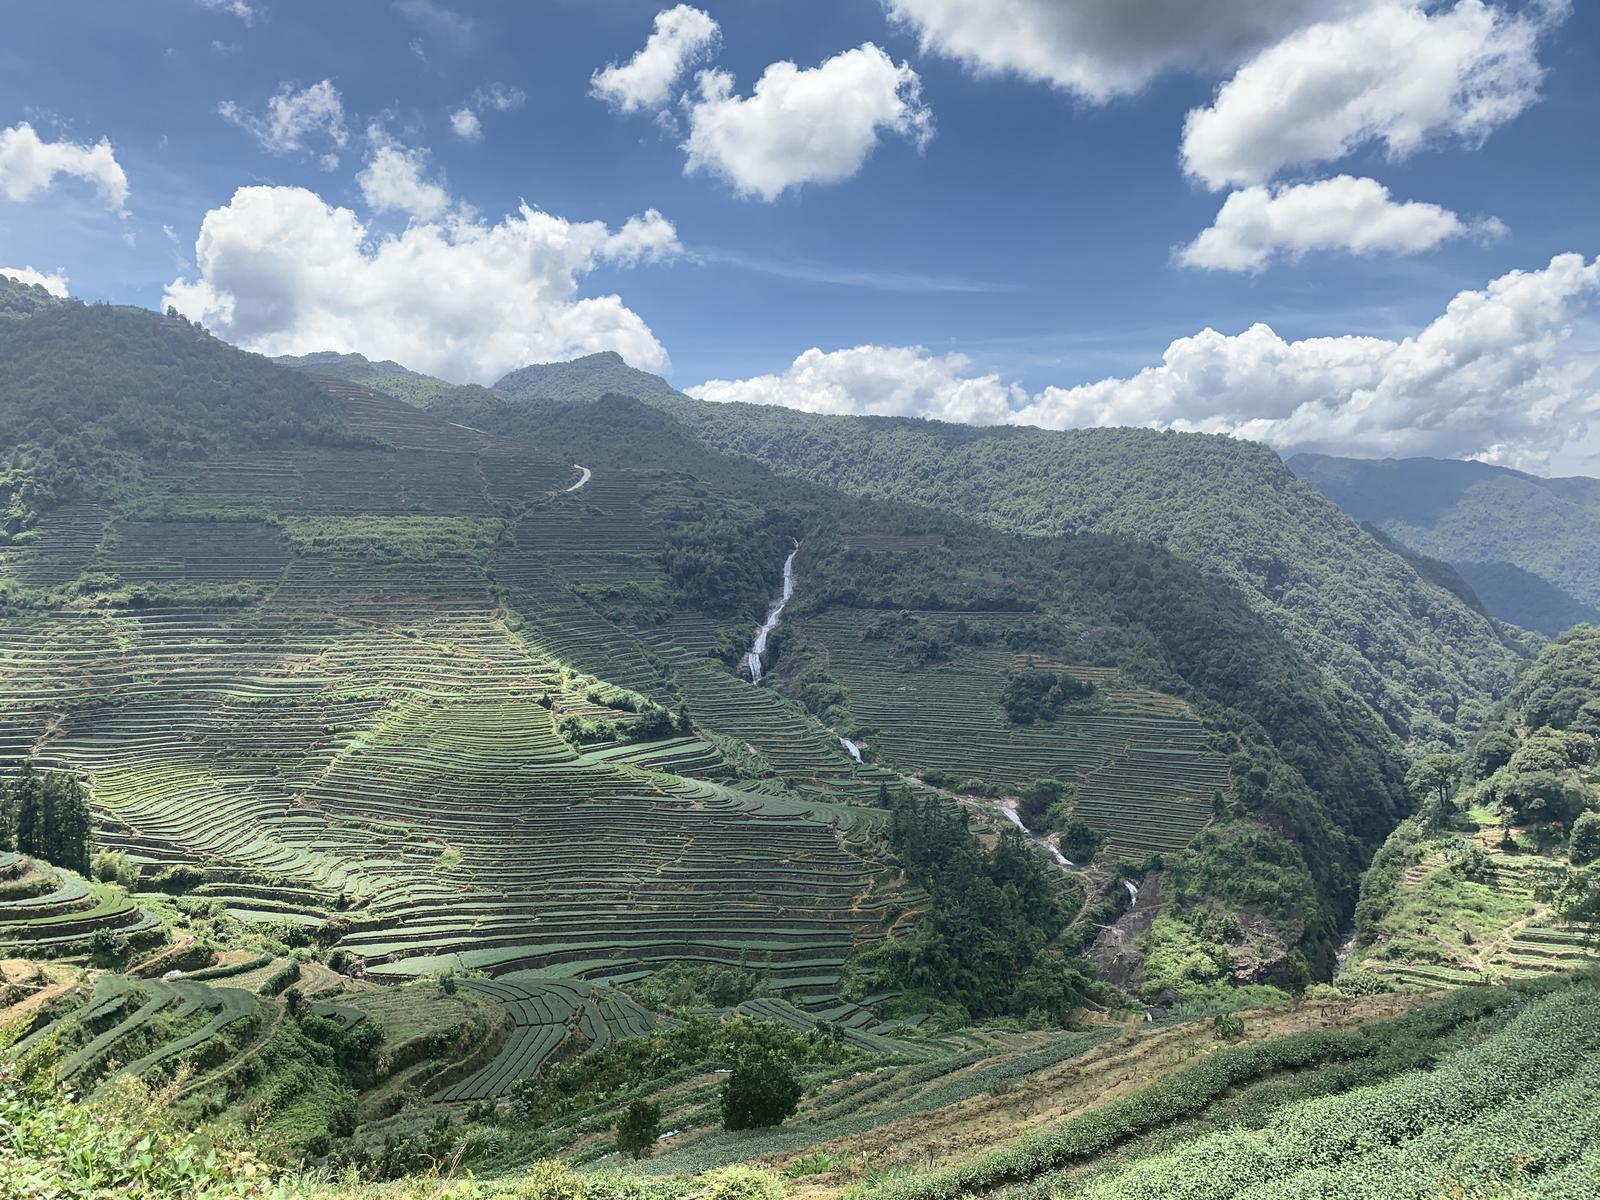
column 1300, row 1147
column 1524, row 544
column 1506, row 1117
column 1032, row 695
column 1417, row 655
column 95, row 396
column 388, row 377
column 986, row 944
column 127, row 1141
column 18, row 299
column 391, row 688
column 1464, row 889
column 46, row 814
column 1315, row 767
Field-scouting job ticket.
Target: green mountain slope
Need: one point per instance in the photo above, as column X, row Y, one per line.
column 1175, row 643
column 337, row 654
column 1525, row 544
column 1459, row 892
column 394, row 658
column 18, row 299
column 1418, row 655
column 96, row 398
column 457, row 683
column 386, row 376
column 583, row 379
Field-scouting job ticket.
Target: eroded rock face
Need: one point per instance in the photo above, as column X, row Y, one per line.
column 1261, row 954
column 1114, row 951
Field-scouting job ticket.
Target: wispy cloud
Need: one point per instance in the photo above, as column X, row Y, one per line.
column 445, row 23
column 807, row 271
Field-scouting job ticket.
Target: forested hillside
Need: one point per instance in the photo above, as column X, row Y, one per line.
column 1525, row 544
column 388, row 377
column 97, row 397
column 341, row 604
column 1419, row 656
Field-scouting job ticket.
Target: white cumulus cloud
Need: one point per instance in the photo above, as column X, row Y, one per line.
column 280, row 271
column 1498, row 375
column 54, row 282
column 296, row 122
column 1495, row 370
column 1258, row 224
column 392, row 182
column 683, row 35
column 885, row 381
column 1400, row 74
column 464, row 123
column 816, row 125
column 29, row 165
column 1098, row 49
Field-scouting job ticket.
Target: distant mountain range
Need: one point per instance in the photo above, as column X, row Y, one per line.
column 1529, row 547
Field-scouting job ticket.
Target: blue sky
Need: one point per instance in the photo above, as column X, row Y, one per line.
column 1004, row 246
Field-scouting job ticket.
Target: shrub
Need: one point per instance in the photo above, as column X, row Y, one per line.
column 1363, row 983
column 177, row 880
column 1227, row 1027
column 639, row 1129
column 1585, row 845
column 739, row 1183
column 107, row 949
column 1081, row 842
column 280, row 979
column 760, row 1093
column 113, row 866
column 693, row 985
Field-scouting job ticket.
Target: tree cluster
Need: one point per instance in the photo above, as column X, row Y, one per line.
column 46, row 814
column 985, row 944
column 1033, row 695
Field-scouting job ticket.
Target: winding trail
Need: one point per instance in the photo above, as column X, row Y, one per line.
column 583, row 479
column 752, row 659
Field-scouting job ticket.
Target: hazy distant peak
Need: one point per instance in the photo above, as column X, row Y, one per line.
column 582, row 380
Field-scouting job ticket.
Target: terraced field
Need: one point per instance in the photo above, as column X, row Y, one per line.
column 1144, row 773
column 333, row 678
column 147, row 1027
column 50, row 912
column 1491, row 931
column 547, row 1013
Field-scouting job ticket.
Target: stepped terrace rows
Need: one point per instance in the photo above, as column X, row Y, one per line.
column 51, row 912
column 1144, row 773
column 545, row 1013
column 374, row 730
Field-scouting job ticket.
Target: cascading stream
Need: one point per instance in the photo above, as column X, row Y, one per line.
column 759, row 647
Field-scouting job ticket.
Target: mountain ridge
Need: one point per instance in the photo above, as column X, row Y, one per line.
column 1231, row 506
column 1524, row 542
